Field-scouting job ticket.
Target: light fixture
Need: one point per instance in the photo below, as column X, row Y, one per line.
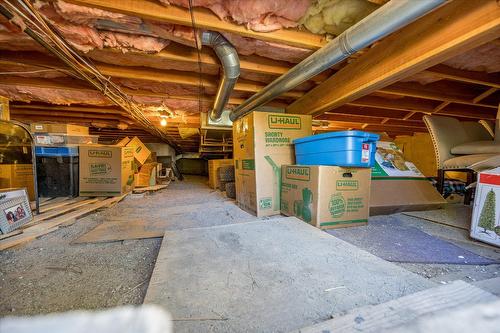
column 163, row 121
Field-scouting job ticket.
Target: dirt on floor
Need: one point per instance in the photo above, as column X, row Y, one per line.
column 50, row 274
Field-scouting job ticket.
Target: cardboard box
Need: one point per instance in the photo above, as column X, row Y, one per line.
column 146, row 176
column 67, row 129
column 213, row 166
column 47, row 139
column 18, row 176
column 262, row 144
column 123, row 142
column 141, row 152
column 106, row 170
column 326, row 196
column 4, row 108
column 485, row 224
column 398, row 186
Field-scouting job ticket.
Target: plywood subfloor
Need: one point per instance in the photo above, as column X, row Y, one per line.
column 268, row 276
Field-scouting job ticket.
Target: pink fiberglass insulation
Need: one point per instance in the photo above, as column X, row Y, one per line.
column 130, row 42
column 257, row 15
column 249, row 46
column 174, row 104
column 88, row 15
column 51, row 95
column 99, row 18
column 87, row 29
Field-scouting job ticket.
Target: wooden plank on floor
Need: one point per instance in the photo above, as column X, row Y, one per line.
column 112, row 231
column 60, row 203
column 10, row 234
column 404, row 310
column 458, row 216
column 140, row 190
column 59, row 211
column 47, row 226
column 172, row 218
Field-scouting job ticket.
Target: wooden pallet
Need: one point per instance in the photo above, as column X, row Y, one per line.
column 56, row 214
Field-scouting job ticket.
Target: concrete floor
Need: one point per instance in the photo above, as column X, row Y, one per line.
column 49, row 274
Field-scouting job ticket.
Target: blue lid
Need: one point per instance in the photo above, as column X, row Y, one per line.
column 56, row 151
column 331, row 135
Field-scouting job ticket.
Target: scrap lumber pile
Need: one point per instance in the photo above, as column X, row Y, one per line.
column 54, row 214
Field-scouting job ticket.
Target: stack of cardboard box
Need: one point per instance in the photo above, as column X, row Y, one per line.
column 262, row 144
column 54, row 134
column 115, row 170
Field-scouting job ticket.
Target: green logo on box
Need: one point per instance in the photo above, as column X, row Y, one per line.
column 284, row 122
column 347, row 185
column 337, row 206
column 298, row 173
column 248, row 164
column 99, row 169
column 101, row 153
column 265, row 203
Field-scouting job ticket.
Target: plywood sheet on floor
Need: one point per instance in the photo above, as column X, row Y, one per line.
column 268, row 276
column 174, row 218
column 456, row 215
column 403, row 312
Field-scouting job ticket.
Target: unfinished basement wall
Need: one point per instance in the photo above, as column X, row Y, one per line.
column 165, row 154
column 193, row 166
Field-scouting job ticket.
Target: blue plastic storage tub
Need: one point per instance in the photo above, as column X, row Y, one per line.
column 346, row 148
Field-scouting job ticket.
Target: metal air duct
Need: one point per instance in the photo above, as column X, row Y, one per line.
column 231, row 66
column 387, row 19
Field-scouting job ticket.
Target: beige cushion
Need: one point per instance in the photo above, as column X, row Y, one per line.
column 474, row 131
column 477, row 147
column 486, row 161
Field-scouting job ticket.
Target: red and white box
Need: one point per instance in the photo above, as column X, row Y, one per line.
column 485, row 224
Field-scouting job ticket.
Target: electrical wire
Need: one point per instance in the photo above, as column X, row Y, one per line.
column 40, row 29
column 201, row 88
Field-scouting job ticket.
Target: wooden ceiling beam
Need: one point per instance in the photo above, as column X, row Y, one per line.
column 433, row 92
column 365, row 111
column 485, row 94
column 450, row 73
column 81, row 115
column 204, row 19
column 77, row 85
column 181, row 53
column 178, row 77
column 148, row 74
column 422, row 106
column 88, row 109
column 454, row 28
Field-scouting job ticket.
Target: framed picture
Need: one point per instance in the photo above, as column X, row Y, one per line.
column 14, row 209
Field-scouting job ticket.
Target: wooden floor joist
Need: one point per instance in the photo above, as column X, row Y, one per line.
column 454, row 28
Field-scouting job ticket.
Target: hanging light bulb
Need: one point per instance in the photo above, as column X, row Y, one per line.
column 163, row 121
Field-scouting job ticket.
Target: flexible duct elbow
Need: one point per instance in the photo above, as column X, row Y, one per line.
column 231, row 69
